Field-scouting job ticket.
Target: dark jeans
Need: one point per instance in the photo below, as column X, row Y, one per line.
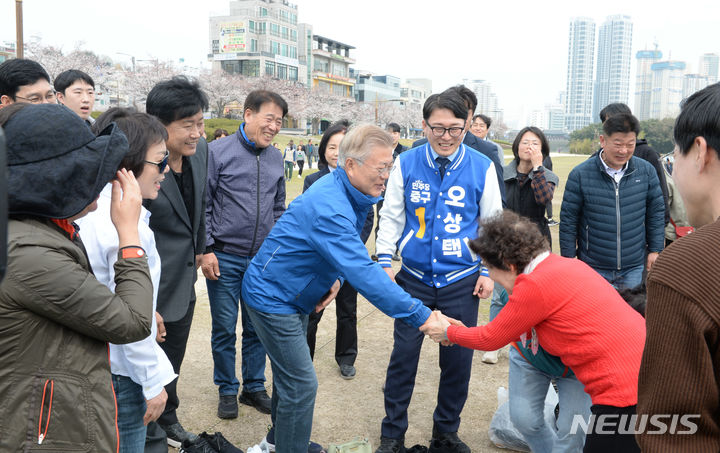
column 176, row 338
column 131, row 409
column 629, row 277
column 457, row 301
column 294, row 380
column 300, row 163
column 346, row 349
column 615, row 442
column 225, row 295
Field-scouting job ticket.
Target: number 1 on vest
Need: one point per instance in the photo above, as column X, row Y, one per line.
column 420, row 213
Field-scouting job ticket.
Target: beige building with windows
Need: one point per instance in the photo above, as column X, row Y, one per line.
column 331, row 67
column 259, row 38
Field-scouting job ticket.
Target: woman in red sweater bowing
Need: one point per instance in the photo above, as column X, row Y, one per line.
column 569, row 309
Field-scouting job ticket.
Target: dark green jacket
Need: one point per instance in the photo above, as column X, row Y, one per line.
column 55, row 322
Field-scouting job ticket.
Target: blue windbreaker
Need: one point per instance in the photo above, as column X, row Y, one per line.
column 315, row 242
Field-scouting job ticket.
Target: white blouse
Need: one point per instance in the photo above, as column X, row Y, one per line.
column 143, row 361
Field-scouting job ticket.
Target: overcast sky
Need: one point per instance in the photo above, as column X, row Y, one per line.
column 519, row 46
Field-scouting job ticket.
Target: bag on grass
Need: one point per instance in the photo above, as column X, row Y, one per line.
column 356, row 445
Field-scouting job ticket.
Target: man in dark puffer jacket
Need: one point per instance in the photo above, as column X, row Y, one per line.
column 642, row 150
column 613, row 210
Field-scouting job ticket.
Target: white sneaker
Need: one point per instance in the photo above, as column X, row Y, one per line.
column 490, row 357
column 299, row 176
column 266, row 446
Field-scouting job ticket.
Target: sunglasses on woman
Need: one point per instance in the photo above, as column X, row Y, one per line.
column 162, row 164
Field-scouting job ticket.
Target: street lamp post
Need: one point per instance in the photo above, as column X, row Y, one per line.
column 132, row 58
column 134, row 70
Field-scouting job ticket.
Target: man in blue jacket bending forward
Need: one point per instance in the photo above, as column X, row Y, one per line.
column 292, row 271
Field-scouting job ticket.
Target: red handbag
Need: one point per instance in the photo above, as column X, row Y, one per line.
column 681, row 231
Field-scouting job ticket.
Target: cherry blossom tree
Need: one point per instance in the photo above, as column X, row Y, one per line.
column 139, row 82
column 223, row 89
column 132, row 85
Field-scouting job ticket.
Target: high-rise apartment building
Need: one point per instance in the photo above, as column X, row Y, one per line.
column 581, row 52
column 612, row 79
column 555, row 117
column 644, row 82
column 693, row 83
column 487, row 99
column 538, row 118
column 709, row 64
column 259, row 37
column 667, row 89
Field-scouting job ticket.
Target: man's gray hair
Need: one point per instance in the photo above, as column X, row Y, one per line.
column 360, row 141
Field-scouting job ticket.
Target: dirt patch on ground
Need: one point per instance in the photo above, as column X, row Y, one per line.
column 343, row 409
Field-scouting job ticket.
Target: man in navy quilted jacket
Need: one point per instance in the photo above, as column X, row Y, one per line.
column 613, row 210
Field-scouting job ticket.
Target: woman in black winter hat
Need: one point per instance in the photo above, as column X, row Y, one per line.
column 55, row 317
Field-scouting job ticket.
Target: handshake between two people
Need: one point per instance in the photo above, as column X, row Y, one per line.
column 436, row 327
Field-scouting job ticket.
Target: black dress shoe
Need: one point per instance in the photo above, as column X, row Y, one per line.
column 388, row 445
column 447, row 443
column 259, row 400
column 227, row 407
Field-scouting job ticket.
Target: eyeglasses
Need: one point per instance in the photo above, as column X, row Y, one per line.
column 528, row 143
column 162, row 164
column 381, row 171
column 50, row 98
column 453, row 131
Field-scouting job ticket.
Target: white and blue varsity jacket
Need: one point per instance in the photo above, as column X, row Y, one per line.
column 432, row 221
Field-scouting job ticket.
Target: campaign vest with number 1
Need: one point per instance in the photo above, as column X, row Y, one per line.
column 441, row 214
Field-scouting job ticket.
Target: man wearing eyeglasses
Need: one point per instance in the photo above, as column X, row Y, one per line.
column 469, row 139
column 312, row 250
column 23, row 80
column 436, row 194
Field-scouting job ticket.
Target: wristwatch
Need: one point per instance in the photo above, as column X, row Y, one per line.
column 538, row 168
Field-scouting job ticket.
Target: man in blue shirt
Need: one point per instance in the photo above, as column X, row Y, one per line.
column 437, row 192
column 292, row 272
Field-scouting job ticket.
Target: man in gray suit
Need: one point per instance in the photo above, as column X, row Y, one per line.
column 178, row 222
